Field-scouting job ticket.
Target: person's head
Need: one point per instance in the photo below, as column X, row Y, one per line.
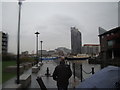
column 62, row 62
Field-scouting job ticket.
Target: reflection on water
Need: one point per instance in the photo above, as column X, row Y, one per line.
column 86, row 67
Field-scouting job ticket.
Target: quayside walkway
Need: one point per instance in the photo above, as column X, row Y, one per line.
column 48, row 81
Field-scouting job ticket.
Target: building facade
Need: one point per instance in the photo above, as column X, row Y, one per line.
column 0, row 42
column 110, row 44
column 44, row 52
column 63, row 51
column 76, row 43
column 91, row 49
column 4, row 42
column 119, row 13
column 25, row 53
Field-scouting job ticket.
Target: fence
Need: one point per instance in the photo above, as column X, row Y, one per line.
column 81, row 71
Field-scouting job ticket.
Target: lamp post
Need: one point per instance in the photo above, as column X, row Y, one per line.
column 37, row 33
column 18, row 42
column 41, row 50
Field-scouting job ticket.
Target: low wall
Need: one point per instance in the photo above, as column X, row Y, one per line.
column 13, row 69
column 35, row 69
column 26, row 65
column 25, row 80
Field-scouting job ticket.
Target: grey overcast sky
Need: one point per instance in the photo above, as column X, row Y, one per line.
column 54, row 19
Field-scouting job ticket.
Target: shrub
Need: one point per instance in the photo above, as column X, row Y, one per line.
column 26, row 59
column 8, row 57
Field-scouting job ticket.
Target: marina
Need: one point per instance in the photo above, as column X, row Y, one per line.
column 60, row 45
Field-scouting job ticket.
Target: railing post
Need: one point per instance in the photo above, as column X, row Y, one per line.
column 74, row 70
column 69, row 63
column 93, row 70
column 47, row 72
column 81, row 72
column 66, row 62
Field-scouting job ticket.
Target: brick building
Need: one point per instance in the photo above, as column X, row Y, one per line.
column 110, row 45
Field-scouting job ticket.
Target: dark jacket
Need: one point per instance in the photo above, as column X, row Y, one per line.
column 61, row 74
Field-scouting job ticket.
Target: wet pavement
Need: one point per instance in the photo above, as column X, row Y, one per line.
column 48, row 81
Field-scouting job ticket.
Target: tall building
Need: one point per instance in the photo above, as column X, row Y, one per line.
column 76, row 43
column 3, row 42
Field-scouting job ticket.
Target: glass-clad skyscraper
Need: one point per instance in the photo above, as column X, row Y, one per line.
column 76, row 43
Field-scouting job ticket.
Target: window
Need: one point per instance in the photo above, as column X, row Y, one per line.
column 111, row 43
column 102, row 36
column 112, row 33
column 108, row 35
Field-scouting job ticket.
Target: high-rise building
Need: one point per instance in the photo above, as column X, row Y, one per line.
column 4, row 42
column 76, row 42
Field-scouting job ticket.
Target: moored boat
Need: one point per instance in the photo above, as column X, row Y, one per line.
column 78, row 57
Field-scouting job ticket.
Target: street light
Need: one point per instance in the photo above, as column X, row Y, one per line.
column 18, row 42
column 41, row 50
column 37, row 33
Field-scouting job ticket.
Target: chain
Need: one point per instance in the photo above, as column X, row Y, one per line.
column 83, row 78
column 86, row 72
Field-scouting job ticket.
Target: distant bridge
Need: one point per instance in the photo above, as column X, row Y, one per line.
column 49, row 58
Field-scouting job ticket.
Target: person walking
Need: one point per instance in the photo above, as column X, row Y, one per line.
column 61, row 74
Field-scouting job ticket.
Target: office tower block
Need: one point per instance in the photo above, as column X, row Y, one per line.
column 76, row 42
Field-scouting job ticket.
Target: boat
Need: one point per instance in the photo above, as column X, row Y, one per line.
column 78, row 57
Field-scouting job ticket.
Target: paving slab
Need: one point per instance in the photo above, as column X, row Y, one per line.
column 48, row 81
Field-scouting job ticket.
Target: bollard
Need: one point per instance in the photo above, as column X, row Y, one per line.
column 65, row 61
column 93, row 70
column 69, row 63
column 47, row 72
column 74, row 70
column 81, row 76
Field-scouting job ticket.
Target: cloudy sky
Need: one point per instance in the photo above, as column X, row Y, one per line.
column 54, row 19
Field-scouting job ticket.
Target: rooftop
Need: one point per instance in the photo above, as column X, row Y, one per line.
column 91, row 45
column 114, row 30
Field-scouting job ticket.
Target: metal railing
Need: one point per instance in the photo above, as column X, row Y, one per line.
column 82, row 71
